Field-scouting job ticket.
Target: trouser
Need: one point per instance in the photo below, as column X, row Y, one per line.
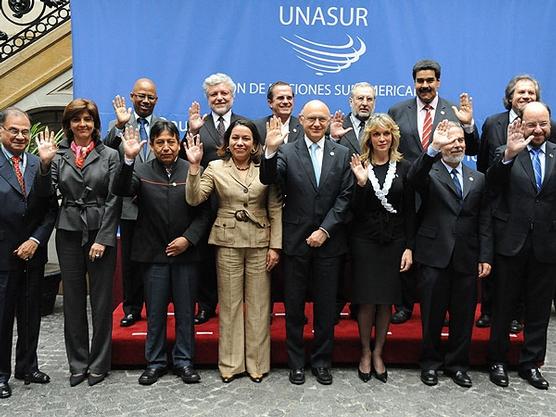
column 132, row 279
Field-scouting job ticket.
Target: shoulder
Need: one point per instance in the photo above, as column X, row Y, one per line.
column 402, row 105
column 107, row 151
column 216, row 164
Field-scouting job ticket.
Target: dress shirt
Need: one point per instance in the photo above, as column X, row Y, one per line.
column 356, row 123
column 227, row 119
column 542, row 156
column 459, row 170
column 285, row 129
column 149, row 119
column 320, row 150
column 421, row 112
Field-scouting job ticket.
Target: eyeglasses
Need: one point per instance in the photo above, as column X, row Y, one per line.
column 145, row 96
column 16, row 132
column 533, row 125
column 312, row 120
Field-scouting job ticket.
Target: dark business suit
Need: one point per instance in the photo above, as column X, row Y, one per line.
column 296, row 130
column 350, row 140
column 525, row 252
column 89, row 214
column 306, row 208
column 131, row 273
column 405, row 115
column 452, row 238
column 22, row 217
column 164, row 216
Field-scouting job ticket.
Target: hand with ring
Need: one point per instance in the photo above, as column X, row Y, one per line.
column 96, row 251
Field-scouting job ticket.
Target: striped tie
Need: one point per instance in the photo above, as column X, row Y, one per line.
column 537, row 167
column 18, row 173
column 427, row 128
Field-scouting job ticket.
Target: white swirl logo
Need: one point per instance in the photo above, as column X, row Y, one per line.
column 324, row 58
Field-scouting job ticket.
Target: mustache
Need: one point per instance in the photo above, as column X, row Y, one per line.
column 425, row 89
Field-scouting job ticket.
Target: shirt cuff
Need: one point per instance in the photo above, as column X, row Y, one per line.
column 268, row 155
column 325, row 231
column 34, row 239
column 470, row 127
column 128, row 161
column 432, row 152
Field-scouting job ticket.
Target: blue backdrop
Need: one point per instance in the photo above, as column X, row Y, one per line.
column 322, row 47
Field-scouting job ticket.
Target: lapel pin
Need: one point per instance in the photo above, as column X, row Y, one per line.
column 331, row 153
column 294, row 130
column 551, row 155
column 442, row 112
column 471, row 179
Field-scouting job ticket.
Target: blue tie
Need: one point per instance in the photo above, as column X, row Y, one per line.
column 143, row 135
column 537, row 167
column 459, row 191
column 316, row 165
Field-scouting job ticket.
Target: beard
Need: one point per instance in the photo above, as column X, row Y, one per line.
column 453, row 159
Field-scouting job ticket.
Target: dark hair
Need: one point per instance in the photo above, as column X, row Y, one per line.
column 510, row 89
column 75, row 107
column 12, row 111
column 426, row 64
column 224, row 150
column 161, row 126
column 270, row 92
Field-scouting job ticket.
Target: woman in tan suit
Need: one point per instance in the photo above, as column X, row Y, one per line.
column 248, row 235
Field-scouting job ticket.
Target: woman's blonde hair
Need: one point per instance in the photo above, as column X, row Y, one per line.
column 380, row 121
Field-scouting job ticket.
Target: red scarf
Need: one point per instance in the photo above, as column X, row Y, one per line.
column 81, row 152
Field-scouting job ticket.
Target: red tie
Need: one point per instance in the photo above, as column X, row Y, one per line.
column 427, row 128
column 18, row 174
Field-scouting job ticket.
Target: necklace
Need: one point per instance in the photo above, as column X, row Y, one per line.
column 241, row 169
column 381, row 193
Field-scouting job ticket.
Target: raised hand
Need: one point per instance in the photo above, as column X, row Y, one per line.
column 194, row 151
column 440, row 136
column 359, row 170
column 46, row 146
column 195, row 121
column 274, row 137
column 465, row 111
column 515, row 141
column 337, row 129
column 122, row 113
column 131, row 143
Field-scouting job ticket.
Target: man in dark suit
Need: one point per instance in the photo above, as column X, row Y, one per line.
column 26, row 222
column 280, row 99
column 315, row 177
column 523, row 183
column 220, row 91
column 417, row 119
column 144, row 98
column 453, row 247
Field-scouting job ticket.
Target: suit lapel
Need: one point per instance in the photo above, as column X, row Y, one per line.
column 93, row 156
column 29, row 175
column 469, row 179
column 441, row 173
column 412, row 121
column 350, row 136
column 524, row 160
column 328, row 159
column 295, row 129
column 7, row 172
column 548, row 164
column 305, row 161
column 441, row 113
column 211, row 129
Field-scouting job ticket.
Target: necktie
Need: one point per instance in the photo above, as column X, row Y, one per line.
column 315, row 160
column 459, row 191
column 537, row 167
column 143, row 135
column 220, row 128
column 427, row 128
column 361, row 132
column 18, row 173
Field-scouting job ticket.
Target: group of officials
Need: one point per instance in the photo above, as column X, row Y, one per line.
column 386, row 192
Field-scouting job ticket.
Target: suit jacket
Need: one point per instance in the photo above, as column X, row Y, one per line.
column 520, row 211
column 494, row 135
column 114, row 141
column 87, row 200
column 296, row 131
column 22, row 217
column 306, row 206
column 405, row 115
column 163, row 213
column 450, row 231
column 350, row 140
column 261, row 205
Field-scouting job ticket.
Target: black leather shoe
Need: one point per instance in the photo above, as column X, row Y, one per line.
column 483, row 321
column 94, row 379
column 188, row 374
column 498, row 375
column 202, row 317
column 151, row 375
column 129, row 319
column 76, row 379
column 35, row 377
column 429, row 377
column 227, row 379
column 256, row 378
column 383, row 377
column 323, row 375
column 297, row 376
column 534, row 377
column 461, row 378
column 400, row 317
column 516, row 327
column 363, row 376
column 5, row 390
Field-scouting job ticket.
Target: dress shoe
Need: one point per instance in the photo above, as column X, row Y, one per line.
column 129, row 319
column 534, row 377
column 382, row 377
column 96, row 378
column 202, row 317
column 429, row 377
column 400, row 317
column 498, row 375
column 36, row 377
column 227, row 379
column 516, row 327
column 297, row 376
column 483, row 321
column 76, row 379
column 188, row 374
column 323, row 375
column 363, row 376
column 5, row 390
column 461, row 378
column 151, row 375
column 256, row 378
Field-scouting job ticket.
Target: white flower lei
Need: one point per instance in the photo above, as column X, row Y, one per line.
column 382, row 193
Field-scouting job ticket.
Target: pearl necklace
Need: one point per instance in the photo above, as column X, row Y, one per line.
column 381, row 193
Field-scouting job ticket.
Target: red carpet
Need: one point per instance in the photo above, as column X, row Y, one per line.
column 402, row 346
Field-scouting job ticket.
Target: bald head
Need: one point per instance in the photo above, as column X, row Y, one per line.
column 144, row 97
column 315, row 118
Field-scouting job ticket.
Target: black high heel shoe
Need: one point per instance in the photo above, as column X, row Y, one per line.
column 363, row 376
column 383, row 377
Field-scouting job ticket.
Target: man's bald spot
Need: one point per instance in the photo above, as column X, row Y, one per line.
column 315, row 105
column 142, row 83
column 534, row 106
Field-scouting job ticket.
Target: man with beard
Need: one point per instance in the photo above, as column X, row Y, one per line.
column 417, row 119
column 453, row 247
column 523, row 180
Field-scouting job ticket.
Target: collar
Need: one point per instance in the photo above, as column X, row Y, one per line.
column 309, row 142
column 9, row 155
column 512, row 115
column 227, row 117
column 355, row 121
column 459, row 168
column 421, row 104
column 148, row 118
column 542, row 147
